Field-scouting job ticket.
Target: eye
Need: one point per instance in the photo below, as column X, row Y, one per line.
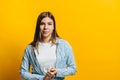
column 50, row 23
column 41, row 23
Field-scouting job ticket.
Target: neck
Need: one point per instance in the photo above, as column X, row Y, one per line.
column 45, row 39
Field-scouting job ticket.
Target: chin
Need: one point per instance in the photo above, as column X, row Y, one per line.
column 46, row 35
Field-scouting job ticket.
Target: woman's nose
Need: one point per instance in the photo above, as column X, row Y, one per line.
column 45, row 26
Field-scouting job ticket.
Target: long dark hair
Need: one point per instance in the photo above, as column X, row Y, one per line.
column 37, row 37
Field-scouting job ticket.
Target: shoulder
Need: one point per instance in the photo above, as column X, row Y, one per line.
column 60, row 40
column 63, row 42
column 29, row 48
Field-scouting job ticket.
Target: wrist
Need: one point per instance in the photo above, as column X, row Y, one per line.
column 46, row 78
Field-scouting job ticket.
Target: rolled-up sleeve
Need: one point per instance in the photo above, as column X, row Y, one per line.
column 70, row 69
column 25, row 68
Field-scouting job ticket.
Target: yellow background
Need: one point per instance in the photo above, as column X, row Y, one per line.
column 92, row 27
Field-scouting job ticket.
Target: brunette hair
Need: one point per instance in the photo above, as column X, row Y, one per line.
column 37, row 37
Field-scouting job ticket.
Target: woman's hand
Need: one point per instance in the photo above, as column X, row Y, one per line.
column 50, row 74
column 53, row 71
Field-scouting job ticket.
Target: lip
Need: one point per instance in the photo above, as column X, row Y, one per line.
column 45, row 31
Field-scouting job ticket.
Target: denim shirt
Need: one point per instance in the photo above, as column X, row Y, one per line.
column 65, row 63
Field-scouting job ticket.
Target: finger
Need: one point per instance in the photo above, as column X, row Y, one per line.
column 50, row 74
column 52, row 69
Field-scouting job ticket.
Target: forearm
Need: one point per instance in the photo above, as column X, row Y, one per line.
column 65, row 72
column 29, row 76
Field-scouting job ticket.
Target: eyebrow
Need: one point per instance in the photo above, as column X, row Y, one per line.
column 47, row 22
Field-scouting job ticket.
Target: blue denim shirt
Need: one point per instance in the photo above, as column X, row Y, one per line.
column 65, row 63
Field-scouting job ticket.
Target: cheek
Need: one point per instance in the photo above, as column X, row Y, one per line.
column 52, row 28
column 41, row 27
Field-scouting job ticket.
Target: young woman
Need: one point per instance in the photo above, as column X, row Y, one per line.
column 51, row 58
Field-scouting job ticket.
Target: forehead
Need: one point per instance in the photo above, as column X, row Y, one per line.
column 47, row 19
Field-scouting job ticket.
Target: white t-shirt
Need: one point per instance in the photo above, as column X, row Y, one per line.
column 46, row 56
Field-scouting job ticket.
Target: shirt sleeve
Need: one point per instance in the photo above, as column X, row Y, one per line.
column 25, row 68
column 71, row 66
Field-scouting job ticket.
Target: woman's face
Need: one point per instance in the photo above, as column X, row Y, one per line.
column 46, row 27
